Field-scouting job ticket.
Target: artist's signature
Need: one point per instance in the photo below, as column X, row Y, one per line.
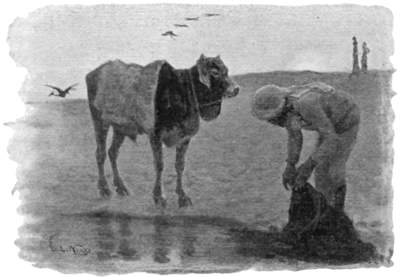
column 76, row 249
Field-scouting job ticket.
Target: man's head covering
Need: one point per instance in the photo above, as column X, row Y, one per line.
column 268, row 102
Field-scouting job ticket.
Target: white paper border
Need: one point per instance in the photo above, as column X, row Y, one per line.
column 11, row 108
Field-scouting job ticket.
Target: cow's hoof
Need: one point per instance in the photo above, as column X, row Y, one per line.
column 122, row 191
column 184, row 201
column 120, row 187
column 105, row 193
column 160, row 201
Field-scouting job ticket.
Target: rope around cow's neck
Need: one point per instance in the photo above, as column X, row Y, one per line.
column 211, row 103
column 193, row 91
column 195, row 96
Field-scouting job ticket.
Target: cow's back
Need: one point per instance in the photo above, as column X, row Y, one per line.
column 124, row 93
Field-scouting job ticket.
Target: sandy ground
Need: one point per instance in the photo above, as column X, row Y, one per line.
column 233, row 176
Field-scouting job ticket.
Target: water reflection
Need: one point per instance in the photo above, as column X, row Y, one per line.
column 114, row 245
column 174, row 240
column 188, row 243
column 161, row 241
column 152, row 243
column 126, row 250
column 100, row 241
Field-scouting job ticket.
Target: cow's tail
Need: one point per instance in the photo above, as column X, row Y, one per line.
column 91, row 85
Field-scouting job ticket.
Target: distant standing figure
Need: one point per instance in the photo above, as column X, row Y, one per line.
column 364, row 59
column 356, row 66
column 315, row 107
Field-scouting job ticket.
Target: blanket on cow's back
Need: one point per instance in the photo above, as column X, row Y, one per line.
column 126, row 93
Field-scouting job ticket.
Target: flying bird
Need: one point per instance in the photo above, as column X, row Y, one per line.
column 181, row 25
column 211, row 14
column 61, row 92
column 169, row 33
column 192, row 18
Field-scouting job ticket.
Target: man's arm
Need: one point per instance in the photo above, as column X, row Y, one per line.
column 294, row 145
column 295, row 139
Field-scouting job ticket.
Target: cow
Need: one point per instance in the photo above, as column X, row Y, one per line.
column 181, row 98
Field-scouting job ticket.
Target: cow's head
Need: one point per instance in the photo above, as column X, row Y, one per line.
column 213, row 74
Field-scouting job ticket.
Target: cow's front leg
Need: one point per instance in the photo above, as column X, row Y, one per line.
column 156, row 146
column 183, row 199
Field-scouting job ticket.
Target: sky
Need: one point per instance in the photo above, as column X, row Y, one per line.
column 59, row 45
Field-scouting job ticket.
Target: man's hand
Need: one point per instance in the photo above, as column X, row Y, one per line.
column 289, row 176
column 303, row 173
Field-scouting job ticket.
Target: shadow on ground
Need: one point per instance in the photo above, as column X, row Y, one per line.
column 315, row 233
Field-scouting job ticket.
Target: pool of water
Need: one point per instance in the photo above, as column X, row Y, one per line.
column 106, row 242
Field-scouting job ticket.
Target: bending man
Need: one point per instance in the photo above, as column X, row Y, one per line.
column 316, row 107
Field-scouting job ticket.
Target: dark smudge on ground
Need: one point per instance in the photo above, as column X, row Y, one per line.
column 333, row 240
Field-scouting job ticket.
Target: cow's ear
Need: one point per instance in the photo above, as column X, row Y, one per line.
column 204, row 76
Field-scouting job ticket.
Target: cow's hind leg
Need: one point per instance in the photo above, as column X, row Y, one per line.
column 101, row 139
column 113, row 151
column 156, row 146
column 183, row 199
